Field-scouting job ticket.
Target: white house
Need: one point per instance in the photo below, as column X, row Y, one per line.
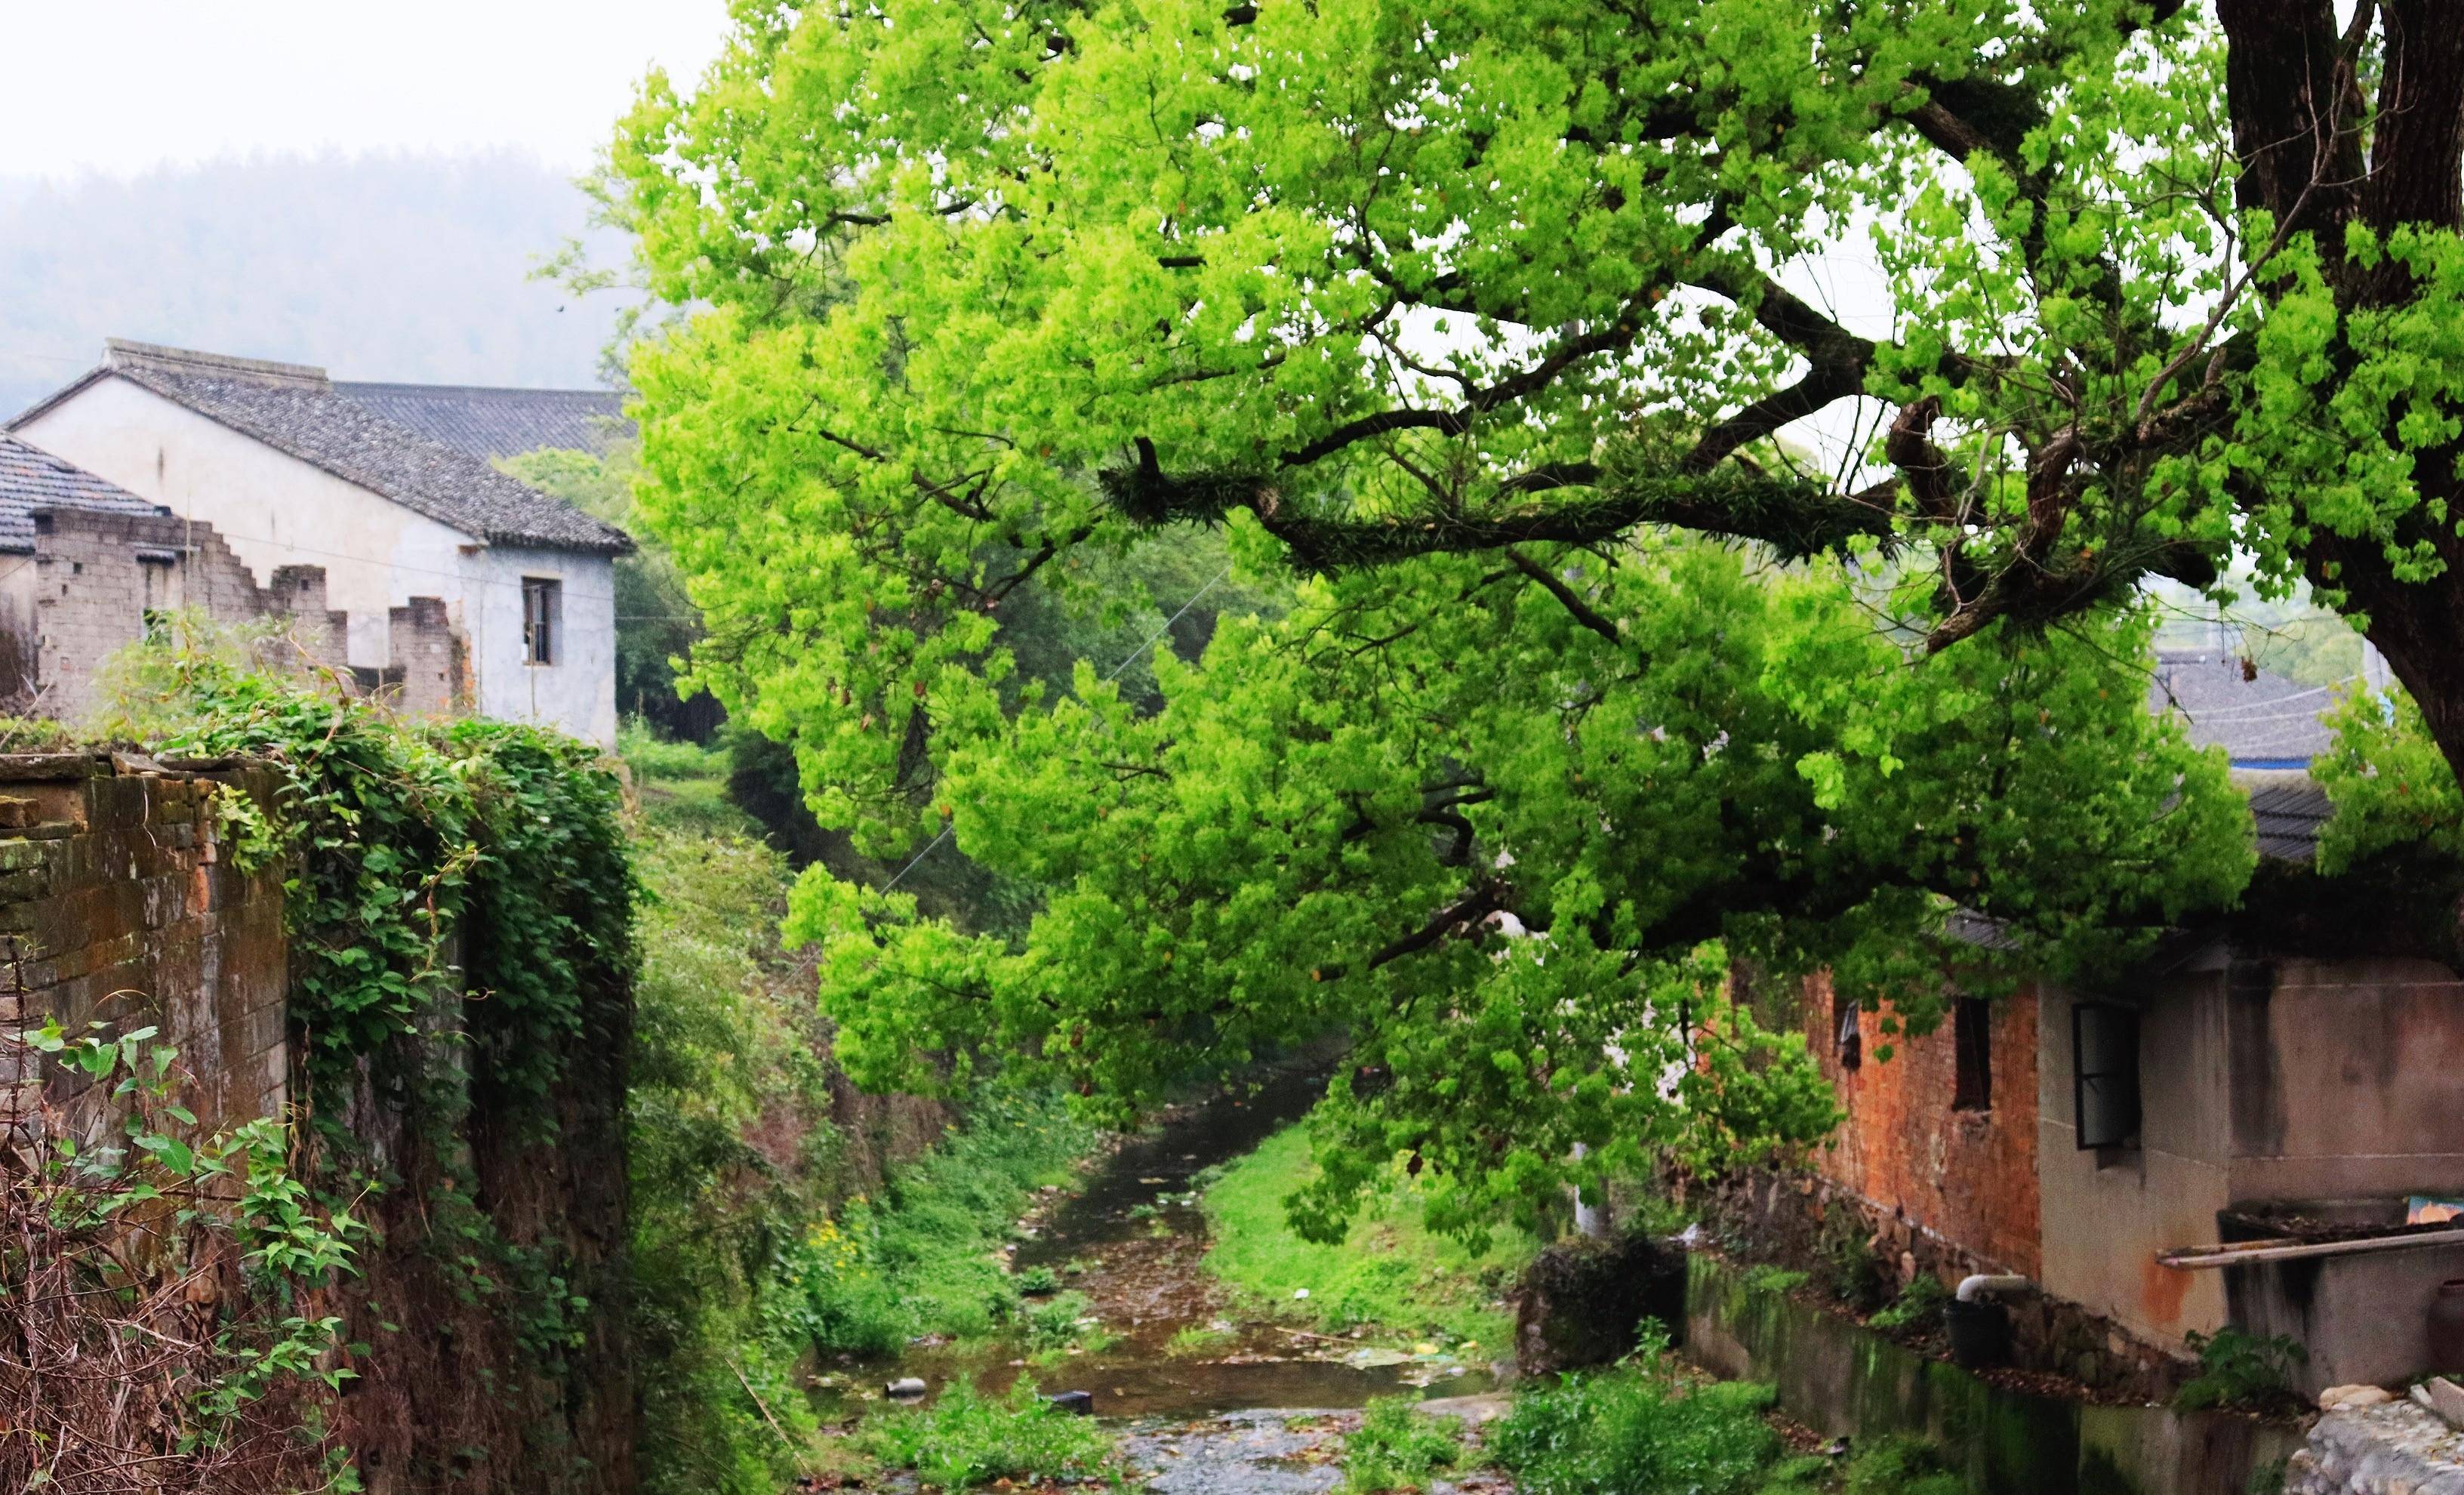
column 291, row 471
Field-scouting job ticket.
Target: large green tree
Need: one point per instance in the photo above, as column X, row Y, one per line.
column 1462, row 308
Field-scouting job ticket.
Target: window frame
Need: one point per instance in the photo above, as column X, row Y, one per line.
column 1971, row 1041
column 543, row 619
column 2110, row 1083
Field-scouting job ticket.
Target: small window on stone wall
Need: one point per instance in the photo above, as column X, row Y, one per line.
column 1972, row 1034
column 1846, row 1024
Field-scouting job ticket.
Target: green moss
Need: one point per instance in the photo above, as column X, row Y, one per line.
column 1389, row 1273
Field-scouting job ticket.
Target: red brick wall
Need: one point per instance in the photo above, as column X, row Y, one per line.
column 1968, row 1176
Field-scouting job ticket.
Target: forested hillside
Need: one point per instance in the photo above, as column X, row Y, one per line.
column 379, row 267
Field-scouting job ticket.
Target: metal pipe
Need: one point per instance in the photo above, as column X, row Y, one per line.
column 1987, row 1282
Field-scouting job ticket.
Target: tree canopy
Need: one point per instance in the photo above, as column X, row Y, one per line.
column 1480, row 317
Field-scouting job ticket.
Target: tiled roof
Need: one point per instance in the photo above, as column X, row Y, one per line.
column 494, row 424
column 2260, row 719
column 294, row 408
column 31, row 479
column 2289, row 809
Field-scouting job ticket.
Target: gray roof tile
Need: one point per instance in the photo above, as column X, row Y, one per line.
column 2266, row 719
column 495, row 424
column 31, row 479
column 294, row 408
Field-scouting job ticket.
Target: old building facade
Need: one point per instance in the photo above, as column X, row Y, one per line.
column 411, row 534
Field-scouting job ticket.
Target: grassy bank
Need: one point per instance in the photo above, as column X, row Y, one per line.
column 1390, row 1274
column 755, row 1239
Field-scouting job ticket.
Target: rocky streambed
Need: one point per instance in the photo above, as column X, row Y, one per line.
column 1212, row 1395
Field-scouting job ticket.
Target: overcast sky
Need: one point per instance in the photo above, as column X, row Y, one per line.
column 117, row 86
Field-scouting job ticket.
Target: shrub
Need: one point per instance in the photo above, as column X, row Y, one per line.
column 968, row 1439
column 1038, row 1282
column 2250, row 1371
column 1901, row 1467
column 1056, row 1322
column 1636, row 1429
column 1918, row 1308
column 1398, row 1448
column 1769, row 1278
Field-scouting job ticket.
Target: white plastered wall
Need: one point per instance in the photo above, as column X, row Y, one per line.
column 271, row 508
column 276, row 510
column 576, row 693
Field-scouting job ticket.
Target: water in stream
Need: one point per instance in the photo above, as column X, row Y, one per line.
column 1134, row 1232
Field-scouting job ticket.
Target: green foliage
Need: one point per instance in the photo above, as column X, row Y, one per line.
column 1770, row 1278
column 1038, row 1281
column 1192, row 1340
column 1901, row 1467
column 126, row 1213
column 2251, row 1371
column 1398, row 1448
column 732, row 1157
column 967, row 1438
column 1635, row 1429
column 506, row 835
column 921, row 1258
column 1390, row 1271
column 919, row 412
column 1917, row 1310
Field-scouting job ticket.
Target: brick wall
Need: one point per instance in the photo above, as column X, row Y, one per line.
column 97, row 577
column 428, row 652
column 116, row 904
column 1966, row 1176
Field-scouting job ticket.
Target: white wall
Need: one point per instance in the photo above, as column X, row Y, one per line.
column 276, row 510
column 271, row 508
column 578, row 692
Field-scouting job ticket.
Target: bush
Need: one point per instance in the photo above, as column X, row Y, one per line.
column 968, row 1439
column 1901, row 1467
column 1636, row 1429
column 1398, row 1448
column 2246, row 1371
column 1918, row 1308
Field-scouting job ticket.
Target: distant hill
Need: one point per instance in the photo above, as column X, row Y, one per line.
column 406, row 268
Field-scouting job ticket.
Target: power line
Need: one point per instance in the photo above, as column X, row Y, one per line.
column 932, row 844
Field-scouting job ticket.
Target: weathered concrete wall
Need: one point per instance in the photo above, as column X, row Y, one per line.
column 1843, row 1380
column 1968, row 1175
column 2109, row 1212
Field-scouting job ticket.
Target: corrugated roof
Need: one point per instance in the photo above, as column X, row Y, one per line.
column 2289, row 811
column 294, row 408
column 31, row 479
column 494, row 424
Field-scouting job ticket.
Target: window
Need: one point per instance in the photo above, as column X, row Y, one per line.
column 1972, row 1035
column 542, row 613
column 2104, row 1073
column 1850, row 1038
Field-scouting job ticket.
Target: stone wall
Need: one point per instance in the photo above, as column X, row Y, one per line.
column 2395, row 1448
column 2007, row 1436
column 432, row 660
column 116, row 904
column 1809, row 1223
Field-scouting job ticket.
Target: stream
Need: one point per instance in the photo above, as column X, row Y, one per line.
column 1252, row 1410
